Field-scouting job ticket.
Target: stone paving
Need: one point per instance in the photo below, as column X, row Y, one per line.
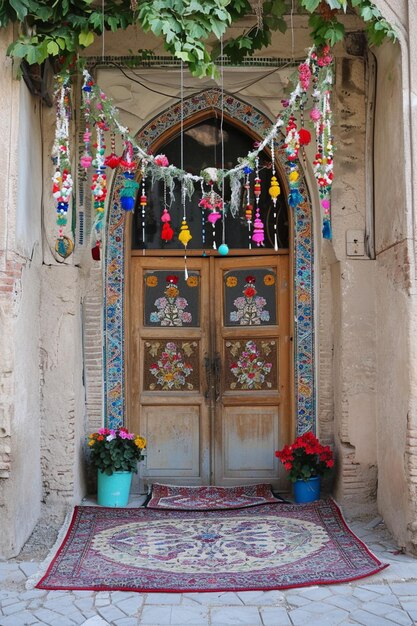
column 387, row 598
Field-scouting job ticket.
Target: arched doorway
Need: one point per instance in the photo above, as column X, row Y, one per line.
column 214, row 271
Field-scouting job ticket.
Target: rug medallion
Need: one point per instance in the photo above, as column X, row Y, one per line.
column 258, row 548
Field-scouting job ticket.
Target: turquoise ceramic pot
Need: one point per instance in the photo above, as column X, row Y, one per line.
column 113, row 490
column 307, row 490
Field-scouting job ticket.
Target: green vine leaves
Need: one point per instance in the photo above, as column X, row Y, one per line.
column 62, row 28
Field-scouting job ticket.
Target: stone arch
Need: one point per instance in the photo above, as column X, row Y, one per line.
column 257, row 124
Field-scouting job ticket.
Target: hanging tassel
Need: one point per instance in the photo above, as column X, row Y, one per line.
column 327, row 229
column 294, row 198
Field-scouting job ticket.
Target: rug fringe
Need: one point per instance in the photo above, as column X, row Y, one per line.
column 33, row 580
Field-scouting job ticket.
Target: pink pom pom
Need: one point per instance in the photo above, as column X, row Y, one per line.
column 86, row 161
column 325, row 203
column 213, row 217
column 161, row 160
column 315, row 114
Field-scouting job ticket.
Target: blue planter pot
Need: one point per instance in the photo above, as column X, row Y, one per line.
column 113, row 490
column 307, row 490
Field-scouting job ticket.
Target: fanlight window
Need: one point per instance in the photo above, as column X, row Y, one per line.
column 203, row 148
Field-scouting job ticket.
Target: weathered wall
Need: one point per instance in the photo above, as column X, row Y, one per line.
column 393, row 294
column 63, row 409
column 346, row 305
column 20, row 259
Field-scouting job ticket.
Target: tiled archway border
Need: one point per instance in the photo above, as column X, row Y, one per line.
column 114, row 290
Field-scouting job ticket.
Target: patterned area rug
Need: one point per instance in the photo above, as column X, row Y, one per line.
column 259, row 548
column 209, row 498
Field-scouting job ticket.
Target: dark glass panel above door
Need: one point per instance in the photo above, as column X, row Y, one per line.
column 203, row 148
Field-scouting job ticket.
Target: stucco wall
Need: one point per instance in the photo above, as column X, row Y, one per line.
column 393, row 293
column 20, row 260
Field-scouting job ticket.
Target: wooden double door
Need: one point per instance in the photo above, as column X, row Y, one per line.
column 208, row 367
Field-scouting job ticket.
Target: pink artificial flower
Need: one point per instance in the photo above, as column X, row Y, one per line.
column 161, row 160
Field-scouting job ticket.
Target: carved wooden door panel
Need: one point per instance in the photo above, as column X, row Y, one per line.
column 208, row 367
column 169, row 347
column 252, row 348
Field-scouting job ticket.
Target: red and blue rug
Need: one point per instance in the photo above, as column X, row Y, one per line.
column 209, row 498
column 258, row 548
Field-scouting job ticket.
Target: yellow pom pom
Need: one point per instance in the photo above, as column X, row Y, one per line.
column 185, row 236
column 274, row 189
column 294, row 176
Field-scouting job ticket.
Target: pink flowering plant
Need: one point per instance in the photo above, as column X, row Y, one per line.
column 116, row 450
column 306, row 458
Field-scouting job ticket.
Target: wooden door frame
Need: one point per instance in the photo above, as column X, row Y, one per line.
column 117, row 254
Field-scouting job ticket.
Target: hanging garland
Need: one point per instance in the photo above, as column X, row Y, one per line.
column 313, row 89
column 62, row 180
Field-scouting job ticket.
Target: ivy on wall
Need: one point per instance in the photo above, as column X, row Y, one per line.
column 62, row 28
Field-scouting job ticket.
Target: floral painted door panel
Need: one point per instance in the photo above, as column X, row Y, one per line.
column 209, row 356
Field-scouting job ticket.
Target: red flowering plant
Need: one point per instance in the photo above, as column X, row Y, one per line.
column 115, row 450
column 306, row 458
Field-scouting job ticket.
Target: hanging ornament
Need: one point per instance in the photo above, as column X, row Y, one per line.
column 223, row 249
column 62, row 183
column 130, row 186
column 212, row 202
column 185, row 236
column 99, row 185
column 274, row 192
column 86, row 159
column 167, row 232
column 143, row 202
column 258, row 227
column 249, row 207
column 112, row 160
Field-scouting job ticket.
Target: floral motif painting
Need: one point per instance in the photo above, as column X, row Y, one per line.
column 250, row 299
column 251, row 364
column 170, row 366
column 171, row 300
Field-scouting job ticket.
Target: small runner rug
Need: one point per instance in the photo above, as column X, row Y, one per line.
column 258, row 548
column 209, row 498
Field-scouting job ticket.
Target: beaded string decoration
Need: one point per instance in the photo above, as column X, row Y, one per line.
column 214, row 204
column 258, row 226
column 143, row 202
column 86, row 159
column 223, row 248
column 292, row 146
column 321, row 115
column 130, row 186
column 184, row 235
column 249, row 207
column 202, row 204
column 274, row 192
column 62, row 180
column 167, row 232
column 99, row 189
column 112, row 160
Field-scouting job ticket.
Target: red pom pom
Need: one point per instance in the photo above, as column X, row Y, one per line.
column 95, row 252
column 167, row 232
column 305, row 136
column 112, row 160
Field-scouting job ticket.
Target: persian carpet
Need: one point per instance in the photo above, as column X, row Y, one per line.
column 209, row 498
column 259, row 548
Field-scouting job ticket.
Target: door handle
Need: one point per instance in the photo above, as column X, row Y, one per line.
column 208, row 371
column 217, row 366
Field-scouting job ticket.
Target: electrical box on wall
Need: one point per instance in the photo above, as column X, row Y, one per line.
column 355, row 243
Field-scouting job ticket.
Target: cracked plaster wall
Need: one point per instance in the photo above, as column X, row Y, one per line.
column 20, row 259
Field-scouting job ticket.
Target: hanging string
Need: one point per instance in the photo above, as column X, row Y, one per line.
column 184, row 234
column 223, row 248
column 292, row 29
column 103, row 28
column 274, row 192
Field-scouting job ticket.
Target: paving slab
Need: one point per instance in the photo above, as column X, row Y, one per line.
column 235, row 616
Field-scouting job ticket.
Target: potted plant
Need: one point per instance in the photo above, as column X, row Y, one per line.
column 306, row 460
column 115, row 455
